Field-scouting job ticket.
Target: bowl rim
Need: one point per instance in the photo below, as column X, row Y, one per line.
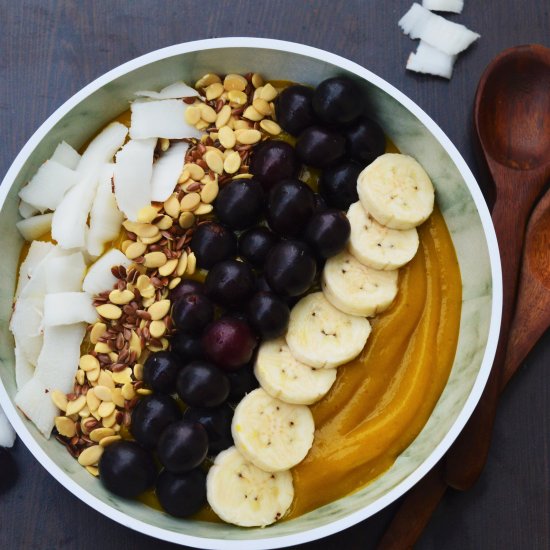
column 490, row 348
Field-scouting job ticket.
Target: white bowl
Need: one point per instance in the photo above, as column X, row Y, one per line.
column 414, row 133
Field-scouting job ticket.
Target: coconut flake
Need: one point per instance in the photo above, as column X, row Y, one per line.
column 66, row 155
column 105, row 217
column 24, row 370
column 33, row 228
column 102, row 148
column 65, row 273
column 7, row 433
column 430, row 60
column 99, row 277
column 161, row 119
column 37, row 252
column 27, row 328
column 452, row 6
column 34, row 401
column 69, row 220
column 68, row 308
column 177, row 90
column 48, row 186
column 27, row 210
column 167, row 170
column 435, row 30
column 132, row 177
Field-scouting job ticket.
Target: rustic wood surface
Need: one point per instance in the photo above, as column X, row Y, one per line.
column 50, row 49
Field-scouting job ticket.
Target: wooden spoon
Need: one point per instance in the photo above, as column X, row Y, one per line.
column 512, row 120
column 531, row 320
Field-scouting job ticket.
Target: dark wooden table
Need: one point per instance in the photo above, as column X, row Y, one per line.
column 50, row 49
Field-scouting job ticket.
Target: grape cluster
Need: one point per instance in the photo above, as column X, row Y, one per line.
column 270, row 238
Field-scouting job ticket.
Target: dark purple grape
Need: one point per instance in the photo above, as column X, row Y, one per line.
column 320, row 203
column 290, row 268
column 328, row 232
column 290, row 204
column 268, row 314
column 229, row 343
column 160, row 371
column 242, row 381
column 230, row 283
column 294, row 110
column 319, row 147
column 187, row 346
column 338, row 184
column 182, row 495
column 151, row 415
column 261, row 285
column 126, row 469
column 213, row 243
column 338, row 100
column 201, row 384
column 365, row 141
column 272, row 161
column 192, row 312
column 182, row 446
column 255, row 244
column 217, row 422
column 186, row 286
column 240, row 203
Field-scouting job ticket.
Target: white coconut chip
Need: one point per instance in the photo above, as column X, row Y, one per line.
column 99, row 277
column 48, row 186
column 34, row 401
column 177, row 90
column 7, row 433
column 33, row 228
column 65, row 273
column 430, row 60
column 66, row 155
column 24, row 370
column 437, row 31
column 26, row 210
column 105, row 217
column 132, row 177
column 37, row 252
column 69, row 227
column 161, row 119
column 452, row 6
column 102, row 148
column 26, row 324
column 68, row 308
column 167, row 170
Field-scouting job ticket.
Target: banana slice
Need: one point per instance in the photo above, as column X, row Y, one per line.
column 396, row 191
column 242, row 494
column 355, row 288
column 286, row 378
column 320, row 335
column 377, row 246
column 272, row 434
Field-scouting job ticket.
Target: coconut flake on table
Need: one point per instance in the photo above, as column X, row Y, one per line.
column 100, row 277
column 67, row 156
column 437, row 31
column 24, row 370
column 177, row 90
column 68, row 308
column 132, row 176
column 7, row 433
column 167, row 170
column 37, row 252
column 26, row 210
column 430, row 60
column 35, row 227
column 69, row 223
column 451, row 6
column 54, row 371
column 47, row 187
column 161, row 119
column 65, row 273
column 102, row 148
column 105, row 217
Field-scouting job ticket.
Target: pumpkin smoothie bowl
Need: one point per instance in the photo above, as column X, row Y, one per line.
column 246, row 310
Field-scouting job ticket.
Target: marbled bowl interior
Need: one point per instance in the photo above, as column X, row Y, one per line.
column 410, row 135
